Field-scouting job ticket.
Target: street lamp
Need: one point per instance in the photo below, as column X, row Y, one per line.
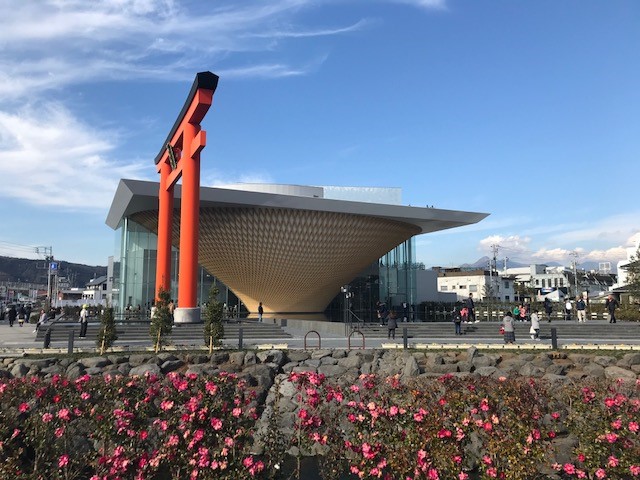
column 347, row 295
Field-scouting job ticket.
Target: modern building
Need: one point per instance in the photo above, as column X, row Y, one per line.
column 290, row 247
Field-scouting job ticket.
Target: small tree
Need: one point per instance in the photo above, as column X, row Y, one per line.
column 107, row 333
column 212, row 313
column 633, row 279
column 162, row 321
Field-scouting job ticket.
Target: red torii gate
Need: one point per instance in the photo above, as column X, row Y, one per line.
column 180, row 158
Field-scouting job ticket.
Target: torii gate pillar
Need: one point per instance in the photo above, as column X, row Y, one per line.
column 180, row 158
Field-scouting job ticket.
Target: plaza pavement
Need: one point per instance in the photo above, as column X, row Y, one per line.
column 21, row 340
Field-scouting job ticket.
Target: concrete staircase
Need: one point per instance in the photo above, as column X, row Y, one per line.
column 182, row 334
column 591, row 331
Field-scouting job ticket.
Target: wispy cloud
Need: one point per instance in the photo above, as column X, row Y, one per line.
column 49, row 46
column 425, row 4
column 50, row 158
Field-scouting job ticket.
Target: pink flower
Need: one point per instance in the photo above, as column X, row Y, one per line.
column 600, row 473
column 569, row 468
column 166, row 405
column 63, row 461
column 216, row 423
column 611, row 437
column 634, row 427
column 492, row 472
column 463, row 476
column 59, row 432
column 64, row 414
column 612, row 461
column 236, row 412
column 24, row 407
column 635, row 470
column 47, row 417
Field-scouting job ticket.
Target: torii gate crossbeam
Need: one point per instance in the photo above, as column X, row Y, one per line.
column 180, row 158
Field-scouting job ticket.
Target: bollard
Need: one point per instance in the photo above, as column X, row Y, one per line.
column 47, row 338
column 554, row 338
column 405, row 338
column 70, row 347
column 240, row 338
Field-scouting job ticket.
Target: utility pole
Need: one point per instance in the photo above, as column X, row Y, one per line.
column 494, row 249
column 48, row 255
column 574, row 254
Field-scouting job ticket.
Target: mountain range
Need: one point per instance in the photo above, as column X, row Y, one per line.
column 35, row 271
column 484, row 263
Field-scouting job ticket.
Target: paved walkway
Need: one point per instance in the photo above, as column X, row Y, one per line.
column 19, row 340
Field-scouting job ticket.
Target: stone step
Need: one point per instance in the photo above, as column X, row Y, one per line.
column 593, row 330
column 183, row 332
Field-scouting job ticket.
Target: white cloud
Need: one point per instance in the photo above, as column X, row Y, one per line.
column 54, row 44
column 426, row 4
column 510, row 246
column 50, row 158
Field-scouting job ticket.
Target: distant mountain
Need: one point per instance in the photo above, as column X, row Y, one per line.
column 483, row 262
column 35, row 271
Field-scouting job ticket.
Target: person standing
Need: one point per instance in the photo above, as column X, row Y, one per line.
column 567, row 310
column 457, row 320
column 581, row 309
column 392, row 324
column 405, row 312
column 84, row 321
column 260, row 312
column 471, row 307
column 509, row 328
column 548, row 308
column 611, row 304
column 12, row 314
column 535, row 326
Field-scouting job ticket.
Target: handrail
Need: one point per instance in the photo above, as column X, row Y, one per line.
column 319, row 339
column 349, row 339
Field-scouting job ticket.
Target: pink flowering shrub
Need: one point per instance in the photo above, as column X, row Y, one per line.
column 204, row 427
column 450, row 428
column 114, row 428
column 605, row 418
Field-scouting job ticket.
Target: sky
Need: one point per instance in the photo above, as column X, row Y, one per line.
column 528, row 111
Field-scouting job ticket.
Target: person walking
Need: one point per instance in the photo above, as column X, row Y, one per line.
column 509, row 328
column 581, row 309
column 260, row 312
column 548, row 308
column 611, row 304
column 392, row 324
column 84, row 321
column 535, row 326
column 471, row 307
column 12, row 314
column 21, row 314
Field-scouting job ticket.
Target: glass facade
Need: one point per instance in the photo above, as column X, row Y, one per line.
column 134, row 270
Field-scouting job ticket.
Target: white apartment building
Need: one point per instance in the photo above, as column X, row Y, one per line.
column 481, row 283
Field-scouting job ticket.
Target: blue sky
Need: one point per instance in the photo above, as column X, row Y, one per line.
column 529, row 111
